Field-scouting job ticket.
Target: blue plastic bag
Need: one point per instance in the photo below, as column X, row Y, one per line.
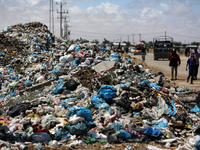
column 155, row 86
column 152, row 132
column 28, row 83
column 116, row 55
column 96, row 101
column 77, row 129
column 81, row 112
column 162, row 124
column 107, row 92
column 117, row 126
column 195, row 109
column 40, row 137
column 75, row 62
column 125, row 135
column 197, row 144
column 65, row 103
column 172, row 108
column 59, row 88
column 77, row 48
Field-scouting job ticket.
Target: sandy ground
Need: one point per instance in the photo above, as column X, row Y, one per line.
column 163, row 66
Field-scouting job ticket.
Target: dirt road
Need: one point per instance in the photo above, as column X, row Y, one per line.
column 163, row 66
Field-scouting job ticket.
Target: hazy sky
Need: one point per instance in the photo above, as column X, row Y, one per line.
column 114, row 20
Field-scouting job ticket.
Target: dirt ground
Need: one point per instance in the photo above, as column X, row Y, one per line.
column 181, row 82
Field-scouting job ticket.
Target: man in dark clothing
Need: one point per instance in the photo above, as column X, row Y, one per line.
column 191, row 63
column 174, row 62
column 196, row 66
column 126, row 49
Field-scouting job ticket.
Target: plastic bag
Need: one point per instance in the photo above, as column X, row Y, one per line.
column 59, row 88
column 28, row 83
column 41, row 137
column 81, row 112
column 71, row 84
column 107, row 92
column 77, row 129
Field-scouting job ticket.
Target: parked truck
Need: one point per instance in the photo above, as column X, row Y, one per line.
column 162, row 46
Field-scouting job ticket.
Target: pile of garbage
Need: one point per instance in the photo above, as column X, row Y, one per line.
column 72, row 94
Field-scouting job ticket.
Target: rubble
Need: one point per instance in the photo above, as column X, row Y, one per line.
column 58, row 93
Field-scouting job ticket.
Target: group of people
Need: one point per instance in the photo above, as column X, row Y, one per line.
column 192, row 64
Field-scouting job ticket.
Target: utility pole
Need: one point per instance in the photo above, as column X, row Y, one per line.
column 165, row 36
column 128, row 38
column 66, row 31
column 133, row 38
column 61, row 17
column 50, row 16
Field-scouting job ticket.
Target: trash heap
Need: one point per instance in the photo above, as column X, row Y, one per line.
column 58, row 93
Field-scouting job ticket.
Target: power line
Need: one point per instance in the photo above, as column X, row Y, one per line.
column 183, row 35
column 116, row 33
column 98, row 32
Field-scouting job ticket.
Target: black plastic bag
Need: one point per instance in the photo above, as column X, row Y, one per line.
column 18, row 109
column 71, row 85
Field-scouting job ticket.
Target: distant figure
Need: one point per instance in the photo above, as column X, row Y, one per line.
column 126, row 49
column 143, row 50
column 196, row 67
column 147, row 49
column 191, row 63
column 174, row 62
column 123, row 50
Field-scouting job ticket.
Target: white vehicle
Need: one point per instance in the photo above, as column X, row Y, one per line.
column 134, row 50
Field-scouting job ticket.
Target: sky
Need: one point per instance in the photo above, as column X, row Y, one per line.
column 115, row 20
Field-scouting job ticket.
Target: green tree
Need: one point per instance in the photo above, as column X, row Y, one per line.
column 95, row 41
column 194, row 43
column 105, row 41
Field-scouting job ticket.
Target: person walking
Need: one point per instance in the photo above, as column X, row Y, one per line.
column 196, row 66
column 191, row 63
column 143, row 50
column 174, row 62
